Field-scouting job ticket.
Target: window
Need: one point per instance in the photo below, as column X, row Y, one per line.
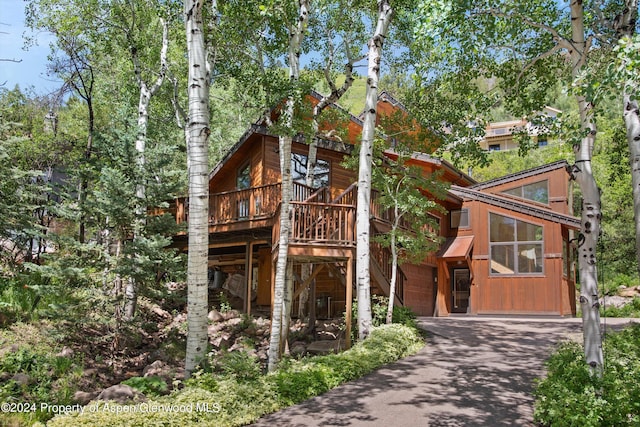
column 542, row 143
column 243, row 181
column 494, row 147
column 299, row 170
column 243, row 178
column 515, row 246
column 537, row 191
column 460, row 218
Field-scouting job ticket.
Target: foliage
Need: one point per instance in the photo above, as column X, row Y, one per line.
column 571, row 396
column 152, row 386
column 230, row 400
column 379, row 305
column 36, row 375
column 631, row 309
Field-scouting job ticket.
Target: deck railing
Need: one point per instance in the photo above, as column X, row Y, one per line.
column 323, row 223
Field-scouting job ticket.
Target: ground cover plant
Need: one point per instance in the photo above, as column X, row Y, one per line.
column 571, row 396
column 241, row 393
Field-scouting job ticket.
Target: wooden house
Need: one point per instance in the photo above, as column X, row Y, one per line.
column 478, row 269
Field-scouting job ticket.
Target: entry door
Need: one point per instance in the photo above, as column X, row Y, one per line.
column 460, row 287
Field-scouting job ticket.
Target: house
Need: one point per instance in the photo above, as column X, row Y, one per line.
column 506, row 242
column 499, row 135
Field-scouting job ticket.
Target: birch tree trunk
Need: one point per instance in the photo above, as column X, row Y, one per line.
column 632, row 124
column 591, row 212
column 146, row 93
column 197, row 142
column 279, row 331
column 394, row 269
column 276, row 337
column 363, row 259
column 626, row 27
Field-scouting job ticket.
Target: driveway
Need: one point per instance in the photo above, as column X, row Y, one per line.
column 474, row 371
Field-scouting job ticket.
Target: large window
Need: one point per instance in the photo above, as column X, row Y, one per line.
column 299, row 170
column 515, row 246
column 537, row 191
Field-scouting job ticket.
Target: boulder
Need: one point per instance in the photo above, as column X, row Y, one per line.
column 157, row 368
column 84, row 397
column 22, row 379
column 121, row 393
column 215, row 316
column 65, row 352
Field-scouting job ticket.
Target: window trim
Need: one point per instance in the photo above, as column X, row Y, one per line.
column 515, row 244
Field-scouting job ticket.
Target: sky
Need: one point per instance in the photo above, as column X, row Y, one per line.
column 31, row 71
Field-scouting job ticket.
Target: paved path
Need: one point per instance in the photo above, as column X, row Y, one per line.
column 474, row 371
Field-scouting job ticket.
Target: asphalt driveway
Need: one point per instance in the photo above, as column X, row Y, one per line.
column 474, row 371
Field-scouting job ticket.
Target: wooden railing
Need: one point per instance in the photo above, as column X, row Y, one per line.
column 323, row 223
column 239, row 205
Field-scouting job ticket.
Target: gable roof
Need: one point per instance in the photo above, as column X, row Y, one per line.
column 260, row 127
column 516, row 206
column 561, row 164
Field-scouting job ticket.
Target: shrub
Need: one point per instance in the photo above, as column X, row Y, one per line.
column 149, row 386
column 231, row 399
column 571, row 396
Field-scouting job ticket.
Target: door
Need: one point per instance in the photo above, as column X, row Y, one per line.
column 460, row 290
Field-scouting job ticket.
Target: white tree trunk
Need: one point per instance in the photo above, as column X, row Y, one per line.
column 394, row 271
column 632, row 124
column 275, row 340
column 146, row 93
column 363, row 279
column 198, row 134
column 591, row 211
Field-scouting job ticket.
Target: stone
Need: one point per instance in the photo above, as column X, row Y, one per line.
column 325, row 347
column 22, row 379
column 157, row 368
column 84, row 397
column 298, row 349
column 215, row 316
column 121, row 393
column 66, row 352
column 628, row 292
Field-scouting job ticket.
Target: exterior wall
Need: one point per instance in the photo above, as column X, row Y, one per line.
column 419, row 291
column 536, row 293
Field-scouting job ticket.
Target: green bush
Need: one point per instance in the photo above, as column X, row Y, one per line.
column 149, row 386
column 44, row 379
column 571, row 396
column 630, row 310
column 230, row 399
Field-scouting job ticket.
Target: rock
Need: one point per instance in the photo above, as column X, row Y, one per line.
column 215, row 316
column 628, row 292
column 66, row 352
column 84, row 397
column 326, row 335
column 4, row 376
column 22, row 379
column 615, row 301
column 224, row 340
column 157, row 368
column 121, row 393
column 325, row 347
column 89, row 372
column 298, row 349
column 234, row 321
column 231, row 314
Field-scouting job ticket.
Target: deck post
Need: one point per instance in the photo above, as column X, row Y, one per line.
column 349, row 283
column 249, row 276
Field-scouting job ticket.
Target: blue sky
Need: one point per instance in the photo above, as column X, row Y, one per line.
column 31, row 71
